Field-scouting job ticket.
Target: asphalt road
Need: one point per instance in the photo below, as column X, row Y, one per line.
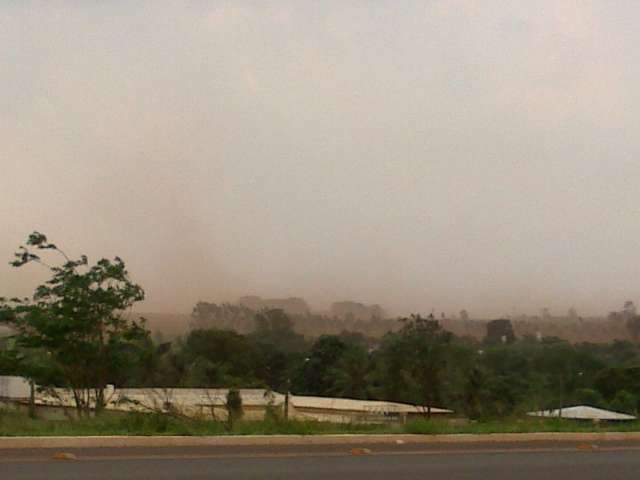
column 396, row 462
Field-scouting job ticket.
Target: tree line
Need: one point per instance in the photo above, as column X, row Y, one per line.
column 419, row 363
column 374, row 322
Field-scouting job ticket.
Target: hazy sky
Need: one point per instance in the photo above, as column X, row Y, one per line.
column 427, row 154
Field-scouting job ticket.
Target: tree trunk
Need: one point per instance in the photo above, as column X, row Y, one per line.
column 286, row 406
column 32, row 399
column 99, row 406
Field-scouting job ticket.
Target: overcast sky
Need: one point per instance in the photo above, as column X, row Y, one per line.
column 427, row 154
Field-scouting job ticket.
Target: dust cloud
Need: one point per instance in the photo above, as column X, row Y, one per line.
column 417, row 155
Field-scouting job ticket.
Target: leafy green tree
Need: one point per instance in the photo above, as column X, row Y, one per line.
column 428, row 345
column 275, row 367
column 612, row 380
column 465, row 380
column 79, row 320
column 351, row 374
column 620, row 353
column 411, row 363
column 633, row 327
column 281, row 349
column 589, row 396
column 219, row 358
column 472, row 393
column 625, row 402
column 318, row 373
column 337, row 365
column 390, row 380
column 566, row 369
column 225, row 316
column 506, row 373
column 274, row 326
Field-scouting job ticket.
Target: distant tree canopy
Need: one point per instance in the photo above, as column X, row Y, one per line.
column 75, row 327
column 223, row 316
column 275, row 327
column 633, row 327
column 419, row 362
column 356, row 311
column 291, row 306
column 337, row 365
column 241, row 318
column 219, row 358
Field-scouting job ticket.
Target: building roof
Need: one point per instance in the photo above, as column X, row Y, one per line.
column 260, row 397
column 203, row 397
column 364, row 406
column 198, row 396
column 582, row 412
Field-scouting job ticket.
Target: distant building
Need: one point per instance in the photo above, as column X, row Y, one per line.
column 14, row 388
column 583, row 412
column 345, row 410
column 210, row 404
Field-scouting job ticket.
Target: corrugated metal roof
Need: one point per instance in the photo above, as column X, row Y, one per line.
column 200, row 396
column 186, row 397
column 364, row 406
column 259, row 397
column 582, row 412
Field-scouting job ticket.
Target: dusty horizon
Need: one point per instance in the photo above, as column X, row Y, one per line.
column 418, row 155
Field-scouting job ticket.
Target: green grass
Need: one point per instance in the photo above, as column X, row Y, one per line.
column 13, row 423
column 517, row 425
column 297, row 427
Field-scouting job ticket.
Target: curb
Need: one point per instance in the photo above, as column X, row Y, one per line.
column 266, row 440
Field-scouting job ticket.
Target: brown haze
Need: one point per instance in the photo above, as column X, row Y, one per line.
column 419, row 155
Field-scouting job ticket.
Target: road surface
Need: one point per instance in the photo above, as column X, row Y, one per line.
column 546, row 461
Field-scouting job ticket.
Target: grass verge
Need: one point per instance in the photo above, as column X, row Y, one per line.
column 14, row 423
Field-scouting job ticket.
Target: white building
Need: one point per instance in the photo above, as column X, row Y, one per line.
column 583, row 412
column 14, row 388
column 210, row 403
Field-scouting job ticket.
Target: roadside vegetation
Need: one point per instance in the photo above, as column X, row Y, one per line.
column 76, row 331
column 13, row 423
